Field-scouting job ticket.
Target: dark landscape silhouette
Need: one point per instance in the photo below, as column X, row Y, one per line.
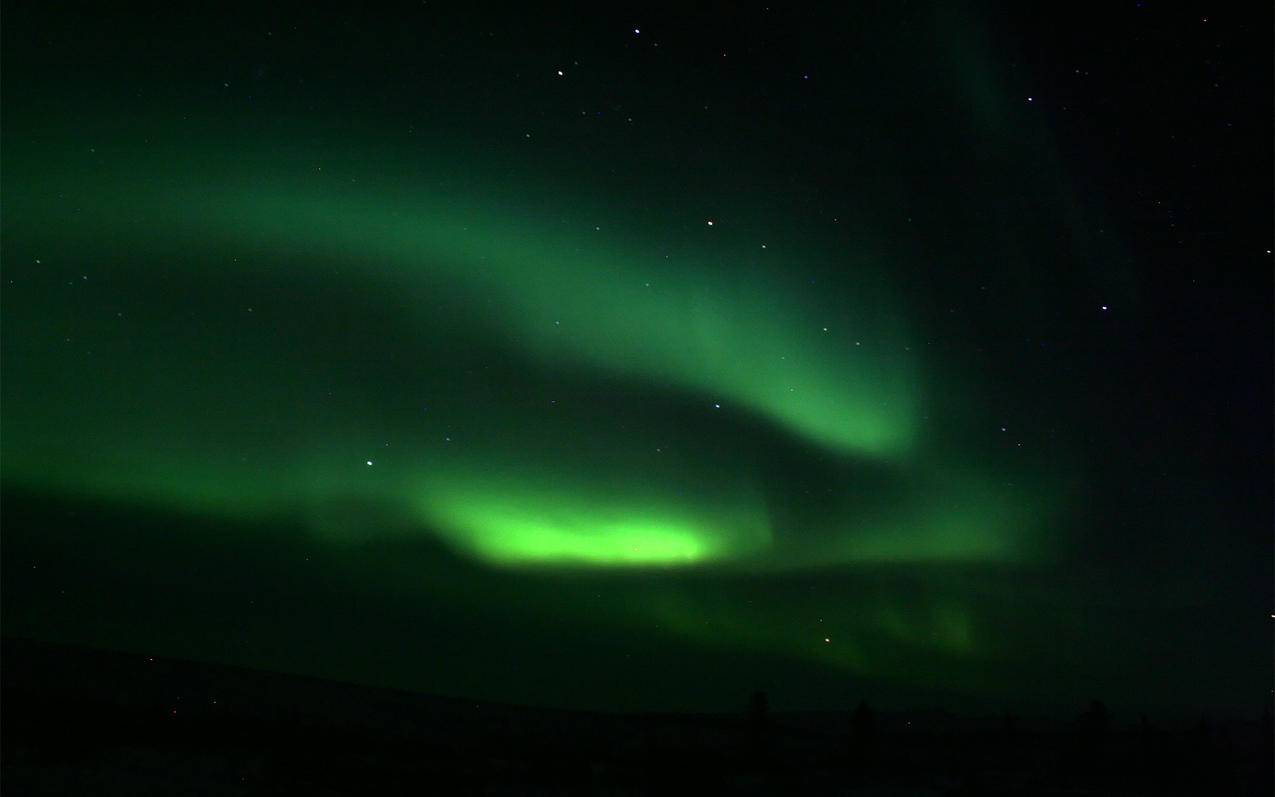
column 79, row 720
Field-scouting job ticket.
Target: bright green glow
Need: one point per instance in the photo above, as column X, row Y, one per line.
column 499, row 523
column 521, row 519
column 518, row 534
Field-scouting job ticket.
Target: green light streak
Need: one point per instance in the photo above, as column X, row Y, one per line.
column 715, row 321
column 523, row 520
column 517, row 534
column 192, row 418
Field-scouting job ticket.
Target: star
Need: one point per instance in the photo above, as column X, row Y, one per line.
column 369, row 463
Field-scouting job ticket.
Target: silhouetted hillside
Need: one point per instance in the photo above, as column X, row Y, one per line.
column 88, row 721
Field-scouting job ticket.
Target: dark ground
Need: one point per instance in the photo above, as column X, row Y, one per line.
column 82, row 721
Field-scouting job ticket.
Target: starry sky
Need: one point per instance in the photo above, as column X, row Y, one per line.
column 639, row 358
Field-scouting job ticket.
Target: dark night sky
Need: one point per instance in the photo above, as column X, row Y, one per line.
column 639, row 359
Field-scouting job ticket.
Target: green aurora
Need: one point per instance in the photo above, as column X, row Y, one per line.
column 835, row 373
column 498, row 375
column 438, row 376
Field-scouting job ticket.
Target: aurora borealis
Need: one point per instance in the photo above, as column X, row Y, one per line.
column 570, row 366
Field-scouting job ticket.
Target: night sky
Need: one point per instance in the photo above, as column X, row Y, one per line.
column 639, row 359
